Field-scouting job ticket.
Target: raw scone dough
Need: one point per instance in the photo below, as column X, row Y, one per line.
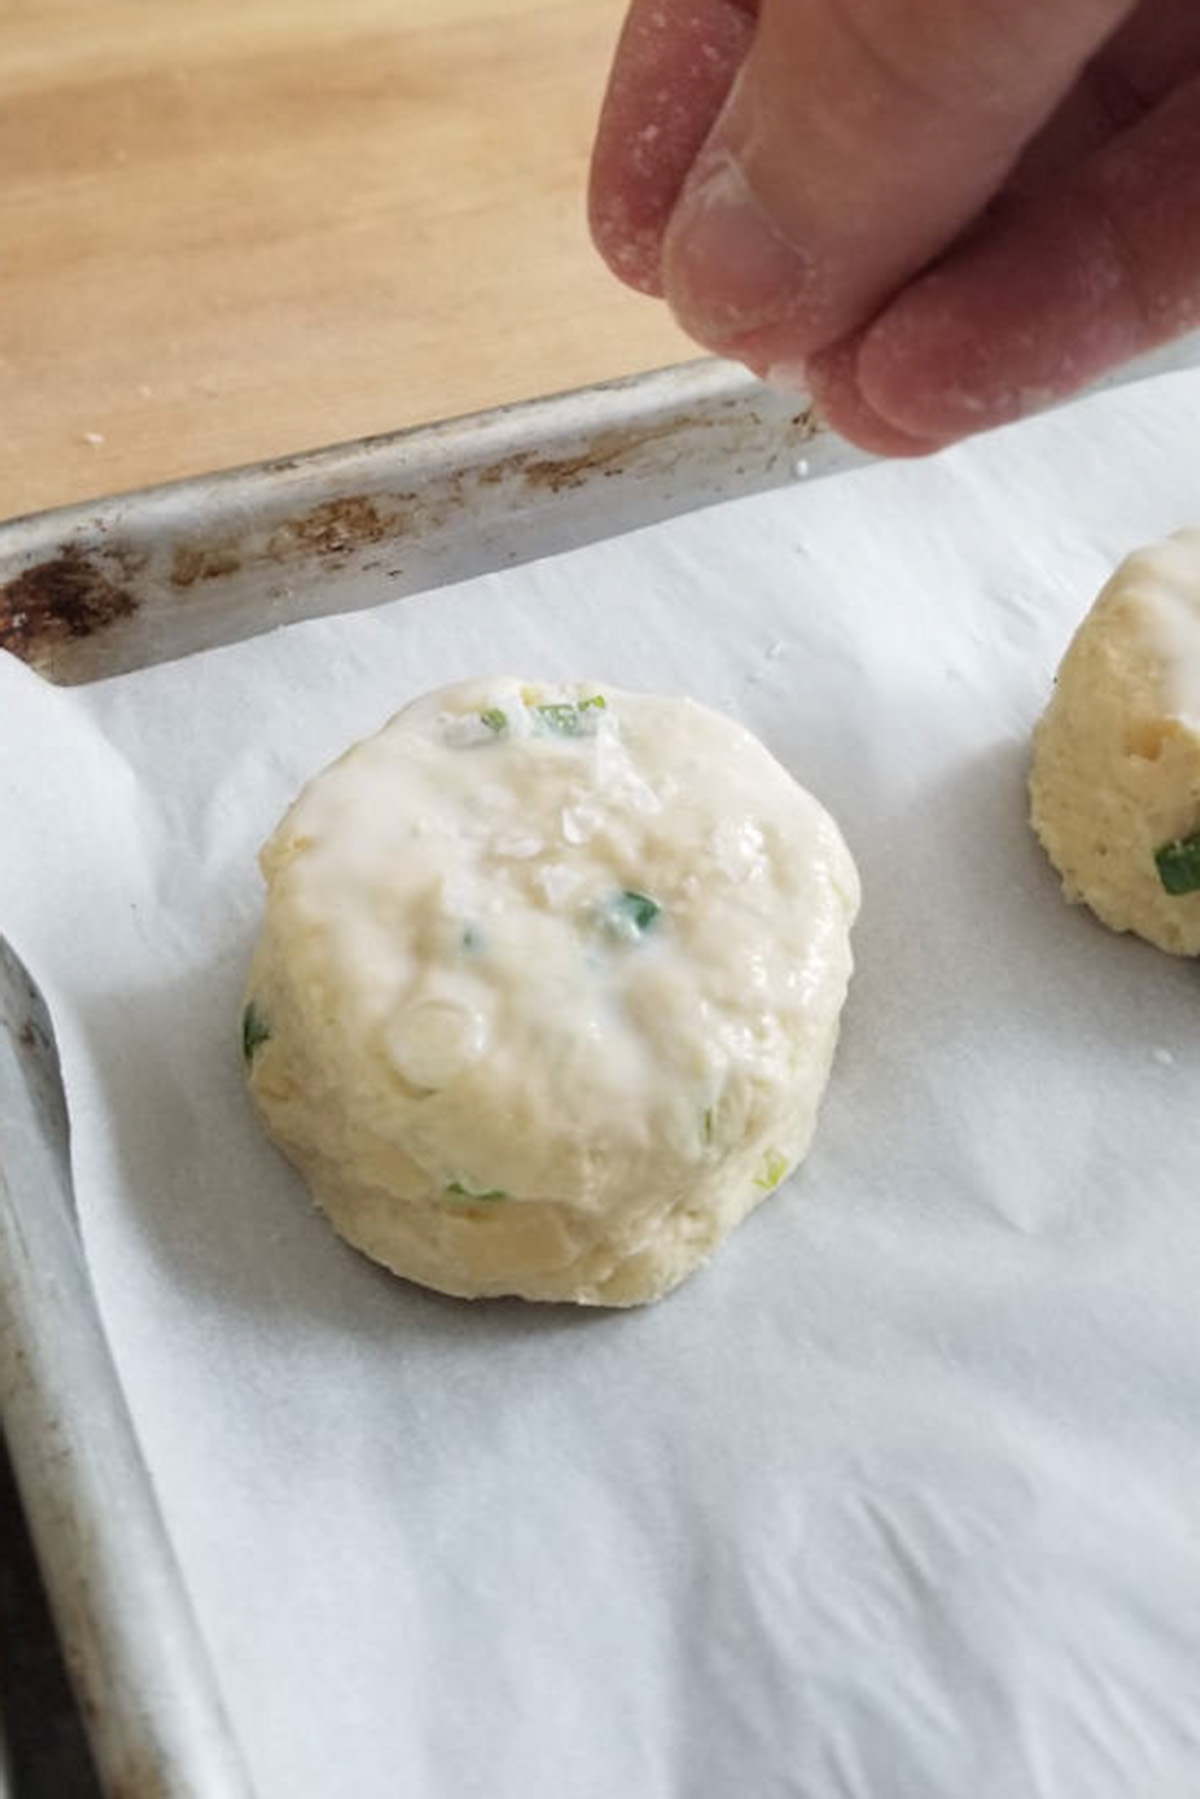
column 1116, row 770
column 548, row 988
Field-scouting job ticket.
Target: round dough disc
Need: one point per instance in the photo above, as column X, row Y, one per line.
column 1115, row 785
column 548, row 987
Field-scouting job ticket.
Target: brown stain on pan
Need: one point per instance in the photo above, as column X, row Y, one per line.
column 608, row 452
column 333, row 530
column 194, row 562
column 148, row 1782
column 140, row 1772
column 604, row 456
column 340, row 528
column 69, row 596
column 337, row 527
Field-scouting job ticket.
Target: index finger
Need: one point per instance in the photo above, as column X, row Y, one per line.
column 674, row 66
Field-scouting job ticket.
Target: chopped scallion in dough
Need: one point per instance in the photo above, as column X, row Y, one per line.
column 773, row 1169
column 255, row 1031
column 1178, row 864
column 629, row 915
column 566, row 718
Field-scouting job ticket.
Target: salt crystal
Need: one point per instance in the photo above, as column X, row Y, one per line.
column 519, row 849
column 557, row 882
column 738, row 849
column 579, row 823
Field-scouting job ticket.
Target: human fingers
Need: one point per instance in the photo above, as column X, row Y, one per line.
column 1055, row 291
column 672, row 72
column 1153, row 52
column 859, row 139
column 832, row 386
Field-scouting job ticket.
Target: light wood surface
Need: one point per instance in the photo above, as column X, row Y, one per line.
column 232, row 229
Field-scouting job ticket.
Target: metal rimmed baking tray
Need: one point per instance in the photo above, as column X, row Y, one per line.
column 97, row 590
column 114, row 587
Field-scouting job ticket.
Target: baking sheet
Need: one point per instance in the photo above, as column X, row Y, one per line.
column 104, row 588
column 900, row 1496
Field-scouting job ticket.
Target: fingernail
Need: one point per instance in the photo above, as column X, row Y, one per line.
column 727, row 272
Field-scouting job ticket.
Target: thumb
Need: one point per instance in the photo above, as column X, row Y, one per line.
column 860, row 138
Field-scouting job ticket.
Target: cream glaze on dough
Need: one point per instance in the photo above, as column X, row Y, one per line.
column 548, row 988
column 1115, row 783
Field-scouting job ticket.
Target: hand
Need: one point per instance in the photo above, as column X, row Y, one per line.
column 937, row 215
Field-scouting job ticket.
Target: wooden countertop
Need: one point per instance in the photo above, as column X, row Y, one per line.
column 240, row 228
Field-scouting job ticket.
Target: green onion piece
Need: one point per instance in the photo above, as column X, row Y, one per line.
column 708, row 1125
column 456, row 1190
column 471, row 940
column 565, row 718
column 634, row 912
column 255, row 1031
column 1178, row 864
column 561, row 720
column 772, row 1171
column 494, row 719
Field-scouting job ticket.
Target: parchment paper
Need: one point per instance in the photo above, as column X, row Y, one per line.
column 900, row 1497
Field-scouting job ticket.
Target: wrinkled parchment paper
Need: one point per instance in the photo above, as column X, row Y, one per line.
column 900, row 1498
